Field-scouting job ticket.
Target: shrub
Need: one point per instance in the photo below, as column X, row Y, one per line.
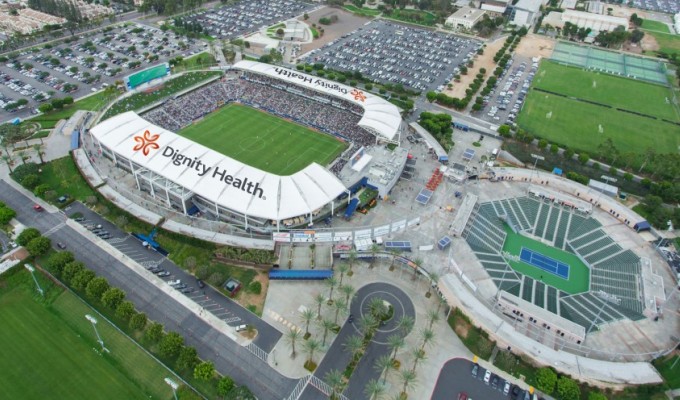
column 255, row 287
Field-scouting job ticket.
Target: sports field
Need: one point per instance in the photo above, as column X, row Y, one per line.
column 651, row 25
column 577, row 272
column 49, row 351
column 629, row 94
column 668, row 42
column 263, row 140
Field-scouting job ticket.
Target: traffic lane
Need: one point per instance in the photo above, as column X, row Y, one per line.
column 365, row 371
column 23, row 206
column 267, row 336
column 211, row 344
column 336, row 356
column 456, row 377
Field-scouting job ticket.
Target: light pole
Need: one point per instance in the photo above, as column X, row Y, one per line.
column 93, row 320
column 30, row 269
column 536, row 157
column 173, row 385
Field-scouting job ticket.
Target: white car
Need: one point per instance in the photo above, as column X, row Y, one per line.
column 487, row 376
column 506, row 388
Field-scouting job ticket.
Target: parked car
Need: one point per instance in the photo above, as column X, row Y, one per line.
column 163, row 273
column 200, row 283
column 61, row 245
column 37, row 208
column 487, row 376
column 475, row 370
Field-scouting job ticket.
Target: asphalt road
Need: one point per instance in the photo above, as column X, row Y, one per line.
column 337, row 358
column 229, row 358
column 209, row 298
column 455, row 377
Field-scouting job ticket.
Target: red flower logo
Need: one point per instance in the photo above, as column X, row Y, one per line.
column 358, row 95
column 146, row 142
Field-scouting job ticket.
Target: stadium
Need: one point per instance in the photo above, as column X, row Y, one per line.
column 262, row 147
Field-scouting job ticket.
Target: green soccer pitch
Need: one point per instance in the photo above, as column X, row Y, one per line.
column 49, row 349
column 579, row 274
column 262, row 140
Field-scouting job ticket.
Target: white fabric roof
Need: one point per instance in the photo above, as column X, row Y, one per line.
column 264, row 195
column 379, row 114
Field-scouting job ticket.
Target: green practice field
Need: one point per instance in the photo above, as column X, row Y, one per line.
column 668, row 42
column 263, row 140
column 49, row 351
column 638, row 96
column 652, row 25
column 579, row 274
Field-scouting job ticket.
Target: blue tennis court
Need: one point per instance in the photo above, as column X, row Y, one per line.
column 545, row 263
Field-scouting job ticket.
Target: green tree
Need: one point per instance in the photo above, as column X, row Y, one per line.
column 224, row 386
column 405, row 324
column 567, row 389
column 204, row 371
column 112, row 297
column 408, row 379
column 125, row 310
column 594, row 395
column 138, row 321
column 383, row 365
column 71, row 270
column 292, row 336
column 96, row 288
column 504, row 130
column 311, row 346
column 307, row 316
column 583, row 158
column 27, row 235
column 395, row 342
column 340, row 307
column 82, row 278
column 155, row 332
column 326, row 325
column 331, row 283
column 348, row 291
column 335, row 380
column 354, row 344
column 546, row 379
column 56, row 262
column 171, row 344
column 319, row 299
column 187, row 359
column 39, row 246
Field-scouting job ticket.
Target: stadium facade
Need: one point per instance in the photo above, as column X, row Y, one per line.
column 192, row 178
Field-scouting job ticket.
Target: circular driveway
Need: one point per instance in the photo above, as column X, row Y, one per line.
column 400, row 301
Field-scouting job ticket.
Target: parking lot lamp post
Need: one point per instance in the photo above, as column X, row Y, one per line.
column 30, row 269
column 93, row 320
column 173, row 385
column 536, row 157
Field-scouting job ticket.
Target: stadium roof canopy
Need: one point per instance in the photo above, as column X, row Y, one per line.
column 214, row 176
column 380, row 115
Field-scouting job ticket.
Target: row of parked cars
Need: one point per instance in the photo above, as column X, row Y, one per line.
column 500, row 384
column 511, row 96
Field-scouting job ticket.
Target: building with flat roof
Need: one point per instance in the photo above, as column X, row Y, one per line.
column 526, row 12
column 465, row 18
column 496, row 7
column 582, row 19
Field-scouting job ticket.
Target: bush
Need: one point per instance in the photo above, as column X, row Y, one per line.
column 567, row 389
column 568, row 154
column 23, row 170
column 546, row 379
column 255, row 287
column 41, row 189
column 30, row 181
column 583, row 158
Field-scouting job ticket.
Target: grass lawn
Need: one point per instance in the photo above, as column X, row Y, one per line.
column 59, row 175
column 579, row 278
column 671, row 376
column 54, row 341
column 642, row 97
column 198, row 61
column 668, row 43
column 652, row 25
column 91, row 103
column 142, row 99
column 315, row 32
column 263, row 140
column 473, row 337
column 362, row 11
column 414, row 17
column 577, row 125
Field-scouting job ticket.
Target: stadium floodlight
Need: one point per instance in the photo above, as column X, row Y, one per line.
column 173, row 385
column 93, row 321
column 30, row 269
column 536, row 157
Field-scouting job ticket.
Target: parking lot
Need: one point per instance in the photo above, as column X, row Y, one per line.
column 464, row 380
column 210, row 299
column 387, row 52
column 666, row 6
column 246, row 17
column 83, row 65
column 505, row 102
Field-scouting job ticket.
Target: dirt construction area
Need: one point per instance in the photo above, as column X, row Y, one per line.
column 347, row 22
column 483, row 61
column 535, row 46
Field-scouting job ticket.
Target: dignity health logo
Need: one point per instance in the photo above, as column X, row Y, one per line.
column 146, row 142
column 358, row 95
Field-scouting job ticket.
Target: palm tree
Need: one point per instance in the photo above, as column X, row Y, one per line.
column 408, row 379
column 310, row 347
column 293, row 335
column 37, row 149
column 331, row 282
column 418, row 356
column 347, row 290
column 340, row 307
column 352, row 257
column 434, row 279
column 378, row 308
column 394, row 253
column 395, row 342
column 319, row 299
column 8, row 160
column 427, row 336
column 374, row 251
column 417, row 263
column 342, row 269
column 367, row 323
column 374, row 389
column 406, row 323
column 335, row 380
column 326, row 324
column 354, row 344
column 307, row 317
column 22, row 155
column 441, row 302
column 383, row 365
column 432, row 317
